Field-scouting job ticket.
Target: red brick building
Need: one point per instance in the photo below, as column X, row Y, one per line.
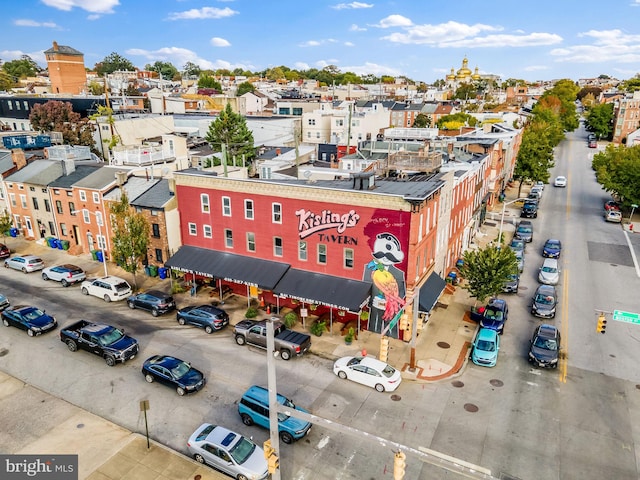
column 338, row 245
column 66, row 69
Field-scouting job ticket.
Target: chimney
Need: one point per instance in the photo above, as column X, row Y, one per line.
column 55, row 46
column 18, row 158
column 121, row 177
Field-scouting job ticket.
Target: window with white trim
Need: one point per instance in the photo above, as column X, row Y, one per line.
column 226, row 206
column 276, row 213
column 204, row 203
column 96, row 197
column 277, row 247
column 348, row 258
column 302, row 250
column 83, row 195
column 322, row 253
column 248, row 209
column 251, row 242
column 228, row 238
column 207, row 232
column 193, row 229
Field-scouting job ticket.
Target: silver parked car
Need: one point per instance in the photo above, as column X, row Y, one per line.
column 65, row 274
column 24, row 263
column 228, row 452
column 549, row 273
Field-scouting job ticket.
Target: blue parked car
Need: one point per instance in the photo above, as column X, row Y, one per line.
column 495, row 315
column 552, row 248
column 31, row 319
column 254, row 408
column 485, row 348
column 205, row 316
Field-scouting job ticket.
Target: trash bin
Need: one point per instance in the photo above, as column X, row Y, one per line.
column 58, row 244
column 99, row 256
column 13, row 232
column 153, row 271
column 48, row 240
column 147, row 271
column 93, row 255
column 162, row 272
column 65, row 244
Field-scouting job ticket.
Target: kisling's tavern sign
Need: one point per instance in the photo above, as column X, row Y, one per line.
column 310, row 223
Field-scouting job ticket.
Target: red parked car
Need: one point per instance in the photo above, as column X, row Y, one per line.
column 4, row 251
column 611, row 205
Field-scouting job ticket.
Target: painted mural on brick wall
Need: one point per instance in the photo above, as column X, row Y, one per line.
column 386, row 272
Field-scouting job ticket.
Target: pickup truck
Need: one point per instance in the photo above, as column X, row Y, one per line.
column 287, row 342
column 109, row 342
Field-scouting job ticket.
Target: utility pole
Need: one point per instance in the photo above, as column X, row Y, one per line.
column 273, row 403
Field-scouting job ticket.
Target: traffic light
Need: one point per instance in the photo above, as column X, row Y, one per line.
column 268, row 449
column 602, row 324
column 384, row 348
column 399, row 465
column 273, row 462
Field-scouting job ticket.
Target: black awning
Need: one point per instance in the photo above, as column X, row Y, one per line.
column 324, row 289
column 228, row 266
column 430, row 292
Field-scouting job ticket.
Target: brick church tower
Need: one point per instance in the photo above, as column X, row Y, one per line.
column 66, row 69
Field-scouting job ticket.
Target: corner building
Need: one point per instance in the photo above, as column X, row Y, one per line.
column 335, row 247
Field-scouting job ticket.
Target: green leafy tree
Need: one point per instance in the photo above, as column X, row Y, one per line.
column 422, row 121
column 230, row 129
column 457, row 120
column 114, row 62
column 190, row 69
column 618, row 171
column 466, row 91
column 56, row 116
column 486, row 270
column 245, row 87
column 599, row 120
column 22, row 68
column 5, row 223
column 6, row 81
column 130, row 237
column 166, row 69
column 208, row 81
column 585, row 91
column 96, row 88
column 630, row 85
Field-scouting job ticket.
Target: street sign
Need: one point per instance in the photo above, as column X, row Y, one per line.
column 628, row 317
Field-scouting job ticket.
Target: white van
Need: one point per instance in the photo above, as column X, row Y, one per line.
column 549, row 272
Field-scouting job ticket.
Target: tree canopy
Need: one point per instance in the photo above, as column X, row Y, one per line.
column 486, row 270
column 456, row 120
column 166, row 69
column 130, row 237
column 24, row 67
column 56, row 116
column 230, row 129
column 190, row 69
column 114, row 62
column 599, row 120
column 208, row 81
column 422, row 121
column 618, row 171
column 245, row 87
column 6, row 81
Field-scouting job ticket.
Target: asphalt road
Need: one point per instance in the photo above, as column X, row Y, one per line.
column 580, row 421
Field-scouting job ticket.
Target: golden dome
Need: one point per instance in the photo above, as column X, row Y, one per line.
column 464, row 71
column 476, row 74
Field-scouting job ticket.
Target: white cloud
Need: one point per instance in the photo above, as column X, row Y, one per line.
column 609, row 46
column 94, row 6
column 349, row 44
column 204, row 12
column 356, row 28
column 219, row 42
column 93, row 17
column 179, row 56
column 394, row 21
column 434, row 34
column 38, row 57
column 24, row 22
column 535, row 68
column 310, row 43
column 505, row 40
column 301, row 66
column 371, row 68
column 343, row 6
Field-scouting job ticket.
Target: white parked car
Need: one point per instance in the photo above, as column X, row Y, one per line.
column 560, row 181
column 66, row 274
column 110, row 288
column 614, row 216
column 228, row 452
column 368, row 371
column 24, row 263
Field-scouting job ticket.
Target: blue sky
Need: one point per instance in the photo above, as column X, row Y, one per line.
column 421, row 39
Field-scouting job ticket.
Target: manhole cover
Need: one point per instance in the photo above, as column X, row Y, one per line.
column 522, row 287
column 396, row 398
column 496, row 383
column 443, row 345
column 470, row 407
column 459, row 384
column 612, row 355
column 197, row 477
column 80, row 425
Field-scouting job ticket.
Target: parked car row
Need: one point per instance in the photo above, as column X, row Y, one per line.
column 612, row 212
column 545, row 342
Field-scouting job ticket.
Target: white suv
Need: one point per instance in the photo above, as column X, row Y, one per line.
column 110, row 288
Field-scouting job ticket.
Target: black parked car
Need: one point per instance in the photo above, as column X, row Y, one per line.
column 495, row 314
column 545, row 346
column 529, row 209
column 153, row 300
column 525, row 231
column 4, row 251
column 174, row 373
column 204, row 316
column 544, row 302
column 31, row 319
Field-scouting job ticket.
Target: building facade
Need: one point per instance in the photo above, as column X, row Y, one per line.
column 66, row 70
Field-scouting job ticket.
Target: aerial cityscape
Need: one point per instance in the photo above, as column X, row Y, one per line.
column 319, row 241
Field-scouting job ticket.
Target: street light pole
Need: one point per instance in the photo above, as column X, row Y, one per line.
column 100, row 237
column 504, row 206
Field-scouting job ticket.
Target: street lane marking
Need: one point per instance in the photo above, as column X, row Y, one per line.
column 633, row 253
